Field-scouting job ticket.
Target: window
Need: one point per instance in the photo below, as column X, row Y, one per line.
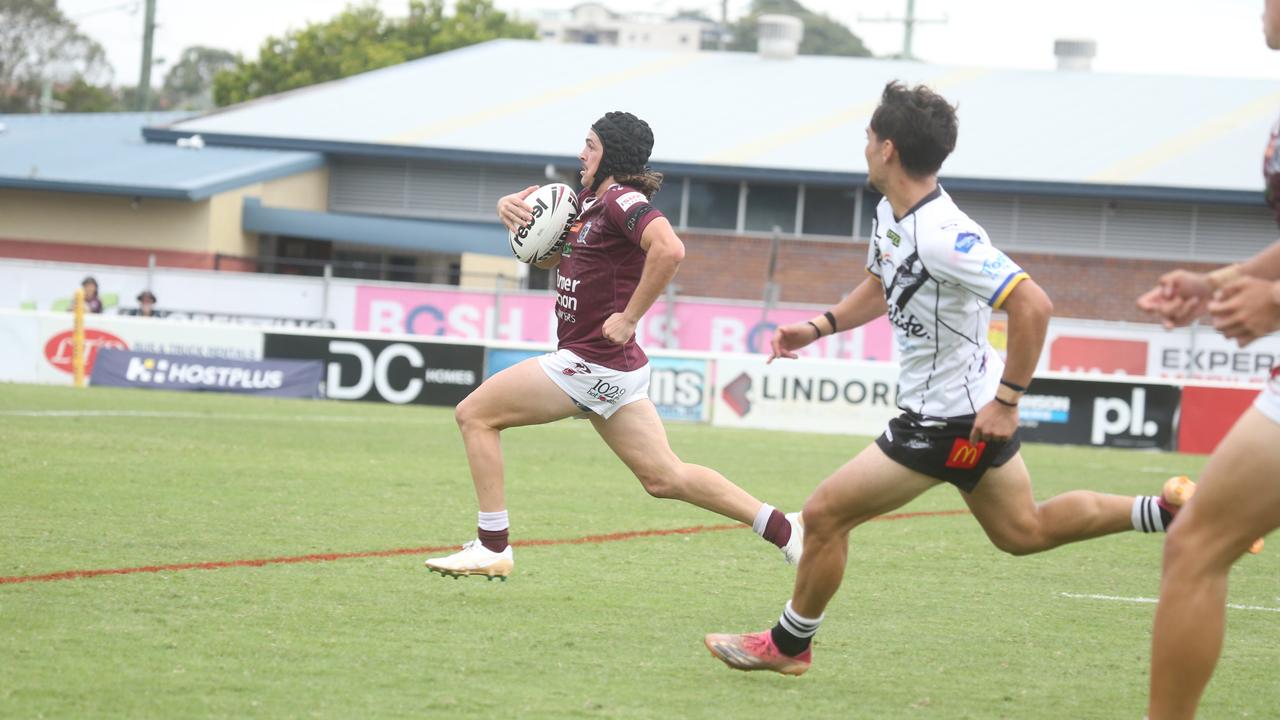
column 668, row 198
column 829, row 210
column 870, row 198
column 713, row 205
column 770, row 206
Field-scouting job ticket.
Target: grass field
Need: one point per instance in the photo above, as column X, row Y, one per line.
column 932, row 621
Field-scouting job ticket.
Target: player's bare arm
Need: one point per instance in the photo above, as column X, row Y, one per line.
column 512, row 210
column 1029, row 309
column 664, row 252
column 864, row 304
column 1246, row 309
column 1181, row 296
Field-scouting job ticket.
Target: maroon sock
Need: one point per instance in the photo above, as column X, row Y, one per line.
column 493, row 540
column 777, row 530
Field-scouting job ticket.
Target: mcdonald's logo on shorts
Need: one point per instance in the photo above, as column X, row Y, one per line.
column 965, row 455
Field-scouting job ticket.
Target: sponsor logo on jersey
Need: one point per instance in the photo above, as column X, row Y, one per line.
column 577, row 368
column 894, row 237
column 966, row 240
column 607, row 392
column 625, row 201
column 584, row 232
column 965, row 455
column 906, row 322
column 996, row 266
column 635, row 215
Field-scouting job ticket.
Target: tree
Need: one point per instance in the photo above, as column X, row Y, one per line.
column 189, row 83
column 81, row 96
column 359, row 40
column 40, row 45
column 822, row 34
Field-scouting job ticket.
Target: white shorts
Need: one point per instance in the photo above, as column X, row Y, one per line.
column 595, row 388
column 1268, row 401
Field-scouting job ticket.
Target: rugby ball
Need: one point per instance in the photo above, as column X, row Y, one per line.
column 554, row 207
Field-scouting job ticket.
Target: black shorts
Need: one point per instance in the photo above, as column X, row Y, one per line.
column 939, row 448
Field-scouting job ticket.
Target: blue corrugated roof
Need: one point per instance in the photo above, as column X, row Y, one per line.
column 1158, row 136
column 106, row 153
column 442, row 236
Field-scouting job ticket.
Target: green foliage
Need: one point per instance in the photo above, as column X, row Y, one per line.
column 40, row 45
column 822, row 34
column 359, row 40
column 80, row 96
column 931, row 622
column 189, row 83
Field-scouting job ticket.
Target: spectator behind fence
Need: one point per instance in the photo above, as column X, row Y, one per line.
column 146, row 305
column 91, row 301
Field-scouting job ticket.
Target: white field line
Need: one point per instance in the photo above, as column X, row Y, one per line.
column 197, row 416
column 1153, row 601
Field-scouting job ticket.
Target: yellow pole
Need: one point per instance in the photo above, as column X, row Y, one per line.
column 77, row 340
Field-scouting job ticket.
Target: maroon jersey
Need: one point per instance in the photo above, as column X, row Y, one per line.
column 599, row 270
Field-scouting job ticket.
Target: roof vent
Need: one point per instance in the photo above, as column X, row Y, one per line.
column 1075, row 54
column 779, row 36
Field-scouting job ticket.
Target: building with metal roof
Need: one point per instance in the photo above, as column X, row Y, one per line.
column 739, row 115
column 1055, row 164
column 105, row 153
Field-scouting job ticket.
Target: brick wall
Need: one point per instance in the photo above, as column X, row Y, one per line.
column 821, row 272
column 127, row 256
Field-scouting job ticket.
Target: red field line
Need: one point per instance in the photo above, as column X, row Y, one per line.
column 327, row 557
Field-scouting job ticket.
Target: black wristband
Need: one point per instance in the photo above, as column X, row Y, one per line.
column 815, row 328
column 1012, row 386
column 831, row 319
column 1006, row 403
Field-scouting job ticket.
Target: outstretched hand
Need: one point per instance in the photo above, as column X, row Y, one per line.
column 1246, row 309
column 512, row 210
column 1178, row 298
column 789, row 338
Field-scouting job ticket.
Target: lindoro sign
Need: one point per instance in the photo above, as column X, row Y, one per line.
column 824, row 390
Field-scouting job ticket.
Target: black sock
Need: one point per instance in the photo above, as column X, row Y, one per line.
column 789, row 644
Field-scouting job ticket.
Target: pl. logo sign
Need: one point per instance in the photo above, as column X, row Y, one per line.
column 1115, row 416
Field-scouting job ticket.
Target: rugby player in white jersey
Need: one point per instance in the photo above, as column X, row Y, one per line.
column 936, row 274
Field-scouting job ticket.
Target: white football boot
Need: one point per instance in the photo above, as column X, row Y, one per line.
column 474, row 559
column 794, row 548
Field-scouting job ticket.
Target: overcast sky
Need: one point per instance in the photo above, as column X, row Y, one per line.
column 1181, row 37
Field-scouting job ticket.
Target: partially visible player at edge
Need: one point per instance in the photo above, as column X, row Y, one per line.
column 936, row 274
column 1238, row 498
column 615, row 262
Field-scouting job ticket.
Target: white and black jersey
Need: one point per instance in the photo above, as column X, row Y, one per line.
column 941, row 279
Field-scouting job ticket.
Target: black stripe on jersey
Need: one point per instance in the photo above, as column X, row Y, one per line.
column 957, row 332
column 969, row 379
column 937, row 345
column 906, row 281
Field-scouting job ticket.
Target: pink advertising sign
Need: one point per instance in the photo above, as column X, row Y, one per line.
column 529, row 317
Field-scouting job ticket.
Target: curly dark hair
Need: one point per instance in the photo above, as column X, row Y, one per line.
column 921, row 124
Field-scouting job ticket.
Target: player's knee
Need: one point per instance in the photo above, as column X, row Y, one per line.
column 1018, row 540
column 1194, row 547
column 463, row 414
column 1017, row 545
column 657, row 483
column 822, row 519
column 469, row 415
